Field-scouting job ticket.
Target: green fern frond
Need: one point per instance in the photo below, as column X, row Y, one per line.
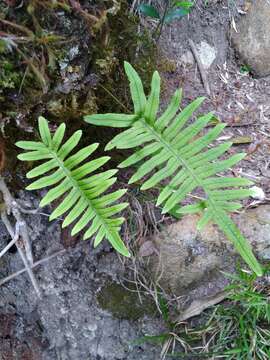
column 69, row 176
column 177, row 152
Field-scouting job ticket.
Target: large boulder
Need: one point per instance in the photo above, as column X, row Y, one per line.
column 252, row 39
column 189, row 262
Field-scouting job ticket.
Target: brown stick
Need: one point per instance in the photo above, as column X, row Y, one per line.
column 200, row 66
column 235, row 125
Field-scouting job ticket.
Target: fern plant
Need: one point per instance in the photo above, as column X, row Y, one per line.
column 172, row 150
column 72, row 180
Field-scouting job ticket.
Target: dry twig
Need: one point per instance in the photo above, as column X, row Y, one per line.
column 14, row 237
column 11, row 208
column 200, row 66
column 17, row 273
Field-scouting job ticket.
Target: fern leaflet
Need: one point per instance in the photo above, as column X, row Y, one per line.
column 178, row 153
column 72, row 179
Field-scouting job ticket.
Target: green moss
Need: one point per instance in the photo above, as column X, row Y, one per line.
column 9, row 77
column 166, row 65
column 67, row 86
column 123, row 303
column 105, row 47
column 72, row 106
column 120, row 40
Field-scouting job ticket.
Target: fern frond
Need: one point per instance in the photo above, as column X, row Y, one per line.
column 179, row 154
column 69, row 176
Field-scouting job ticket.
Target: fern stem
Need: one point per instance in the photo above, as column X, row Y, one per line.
column 115, row 98
column 160, row 139
column 231, row 231
column 242, row 246
column 159, row 28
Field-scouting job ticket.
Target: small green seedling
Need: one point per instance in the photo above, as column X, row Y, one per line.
column 174, row 10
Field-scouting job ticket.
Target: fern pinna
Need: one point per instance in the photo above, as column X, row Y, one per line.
column 69, row 176
column 176, row 153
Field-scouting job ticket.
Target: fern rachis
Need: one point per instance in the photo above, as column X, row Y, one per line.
column 174, row 150
column 70, row 177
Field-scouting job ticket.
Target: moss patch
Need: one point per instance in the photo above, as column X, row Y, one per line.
column 123, row 303
column 67, row 67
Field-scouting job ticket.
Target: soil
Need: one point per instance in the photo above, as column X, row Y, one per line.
column 74, row 320
column 237, row 98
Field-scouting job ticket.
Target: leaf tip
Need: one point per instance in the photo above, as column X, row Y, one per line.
column 131, row 180
column 20, row 157
column 42, row 119
column 109, row 146
column 127, row 66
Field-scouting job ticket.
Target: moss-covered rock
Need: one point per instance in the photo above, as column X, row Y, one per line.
column 69, row 64
column 67, row 51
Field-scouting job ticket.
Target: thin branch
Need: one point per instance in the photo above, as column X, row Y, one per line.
column 132, row 8
column 161, row 22
column 115, row 98
column 21, row 253
column 200, row 66
column 234, row 124
column 6, row 195
column 14, row 208
column 26, row 239
column 21, row 28
column 12, row 242
column 29, row 271
column 17, row 273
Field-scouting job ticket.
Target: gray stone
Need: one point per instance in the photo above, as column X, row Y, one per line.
column 207, row 54
column 252, row 39
column 189, row 261
column 187, row 59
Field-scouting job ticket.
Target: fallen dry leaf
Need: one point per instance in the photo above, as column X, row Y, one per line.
column 147, row 249
column 198, row 306
column 253, row 147
column 242, row 140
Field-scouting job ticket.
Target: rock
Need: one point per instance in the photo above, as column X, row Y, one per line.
column 252, row 39
column 207, row 54
column 189, row 262
column 187, row 59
